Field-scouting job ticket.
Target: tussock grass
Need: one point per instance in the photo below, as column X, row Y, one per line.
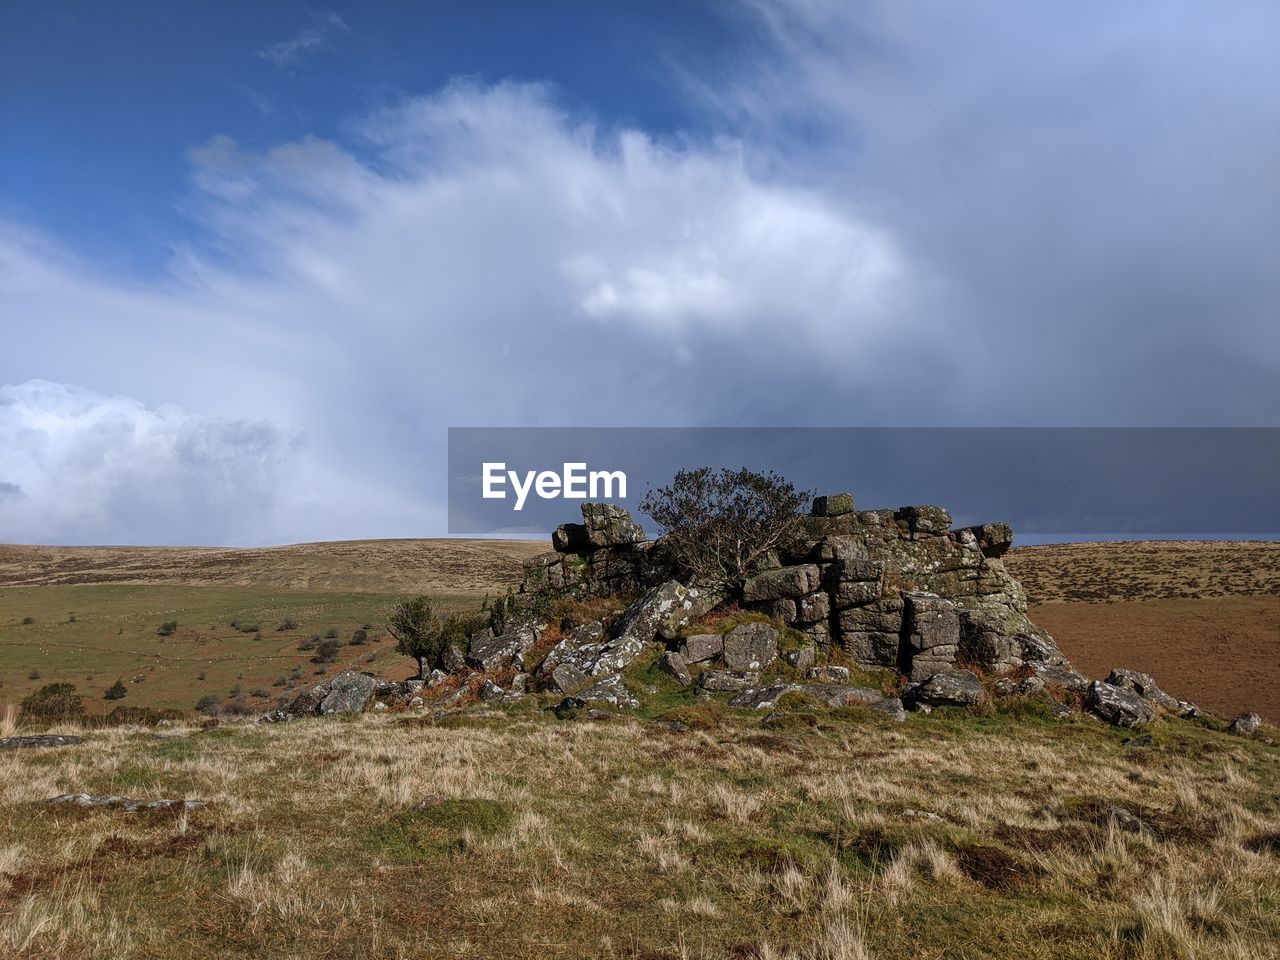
column 531, row 837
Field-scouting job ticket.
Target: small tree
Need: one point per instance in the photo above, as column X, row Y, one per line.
column 418, row 633
column 359, row 638
column 116, row 691
column 167, row 628
column 209, row 705
column 720, row 523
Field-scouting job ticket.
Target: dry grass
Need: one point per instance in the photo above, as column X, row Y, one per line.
column 521, row 836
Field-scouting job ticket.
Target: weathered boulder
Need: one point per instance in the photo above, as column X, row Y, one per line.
column 985, row 640
column 727, row 681
column 750, row 646
column 784, row 609
column 1018, row 686
column 570, row 538
column 993, row 539
column 814, row 608
column 36, row 740
column 488, row 651
column 489, row 691
column 785, row 582
column 932, row 634
column 767, row 698
column 948, row 688
column 673, row 664
column 349, row 692
column 833, row 505
column 700, row 647
column 608, row 525
column 1245, row 725
column 829, row 673
column 611, row 691
column 1144, row 686
column 801, row 659
column 1064, row 678
column 1119, row 707
column 664, row 609
column 566, row 678
column 307, row 702
column 924, row 519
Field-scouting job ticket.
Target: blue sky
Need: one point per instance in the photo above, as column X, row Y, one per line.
column 255, row 259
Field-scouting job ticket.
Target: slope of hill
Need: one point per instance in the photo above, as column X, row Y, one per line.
column 351, row 566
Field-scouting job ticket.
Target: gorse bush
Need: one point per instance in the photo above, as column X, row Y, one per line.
column 117, row 691
column 359, row 638
column 287, row 625
column 720, row 523
column 209, row 704
column 167, row 628
column 327, row 652
column 54, row 702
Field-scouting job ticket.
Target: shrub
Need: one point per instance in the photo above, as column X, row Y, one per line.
column 27, row 621
column 33, row 675
column 260, row 692
column 201, row 675
column 71, row 618
column 167, row 628
column 209, row 705
column 310, row 643
column 418, row 633
column 236, row 707
column 249, row 628
column 287, row 625
column 53, row 702
column 327, row 652
column 331, row 633
column 116, row 691
column 720, row 523
column 359, row 638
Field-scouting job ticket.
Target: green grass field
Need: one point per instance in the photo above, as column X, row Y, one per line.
column 114, row 636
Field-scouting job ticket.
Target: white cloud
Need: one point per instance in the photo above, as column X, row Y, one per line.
column 480, row 257
column 82, row 467
column 307, row 42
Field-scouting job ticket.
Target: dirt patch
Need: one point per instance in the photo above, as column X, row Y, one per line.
column 1222, row 653
column 994, row 868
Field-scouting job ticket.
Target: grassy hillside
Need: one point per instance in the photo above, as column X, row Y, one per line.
column 95, row 613
column 833, row 836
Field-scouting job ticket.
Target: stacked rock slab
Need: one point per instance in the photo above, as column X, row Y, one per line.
column 891, row 588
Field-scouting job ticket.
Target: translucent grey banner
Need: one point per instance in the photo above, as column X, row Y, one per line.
column 1044, row 481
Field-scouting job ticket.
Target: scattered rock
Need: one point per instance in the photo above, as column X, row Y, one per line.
column 1245, row 725
column 829, row 673
column 1119, row 707
column 700, row 647
column 349, row 692
column 750, row 646
column 611, row 691
column 40, row 740
column 833, row 505
column 727, row 681
column 566, row 678
column 673, row 664
column 1020, row 687
column 489, row 691
column 1144, row 686
column 948, row 688
column 123, row 803
column 489, row 651
column 802, row 659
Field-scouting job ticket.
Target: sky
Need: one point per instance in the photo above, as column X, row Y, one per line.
column 255, row 259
